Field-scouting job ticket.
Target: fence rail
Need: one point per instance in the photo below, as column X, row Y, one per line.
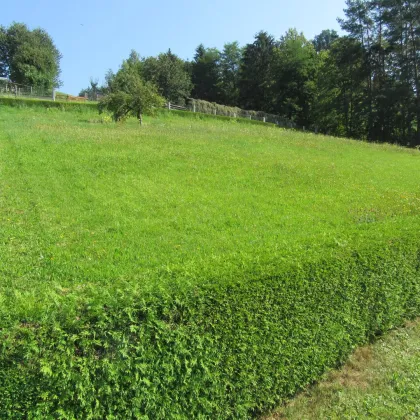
column 11, row 89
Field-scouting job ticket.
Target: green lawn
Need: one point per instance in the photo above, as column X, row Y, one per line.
column 261, row 255
column 88, row 202
column 380, row 381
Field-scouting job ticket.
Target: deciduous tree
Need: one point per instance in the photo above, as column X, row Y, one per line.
column 29, row 57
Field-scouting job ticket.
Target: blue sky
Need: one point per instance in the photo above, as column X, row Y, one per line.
column 94, row 36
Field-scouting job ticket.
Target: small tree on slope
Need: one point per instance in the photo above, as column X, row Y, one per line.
column 129, row 95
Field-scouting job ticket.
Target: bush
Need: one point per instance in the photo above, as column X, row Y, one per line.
column 211, row 348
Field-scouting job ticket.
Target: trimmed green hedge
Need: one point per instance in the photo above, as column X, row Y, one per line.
column 212, row 349
column 45, row 103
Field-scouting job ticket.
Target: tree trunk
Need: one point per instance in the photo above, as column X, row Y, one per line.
column 140, row 118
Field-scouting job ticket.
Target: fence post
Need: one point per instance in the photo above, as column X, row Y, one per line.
column 215, row 111
column 53, row 94
column 234, row 115
column 250, row 117
column 16, row 90
column 263, row 119
column 304, row 128
column 194, row 107
column 169, row 105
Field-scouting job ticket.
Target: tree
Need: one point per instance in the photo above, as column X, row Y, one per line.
column 230, row 63
column 129, row 94
column 402, row 22
column 256, row 79
column 29, row 57
column 205, row 74
column 340, row 105
column 324, row 40
column 294, row 69
column 388, row 31
column 168, row 72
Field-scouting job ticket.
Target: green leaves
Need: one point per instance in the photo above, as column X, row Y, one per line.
column 29, row 57
column 129, row 95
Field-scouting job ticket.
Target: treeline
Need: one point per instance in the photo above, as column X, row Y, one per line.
column 363, row 85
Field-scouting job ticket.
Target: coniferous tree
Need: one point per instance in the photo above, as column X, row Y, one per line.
column 205, row 74
column 256, row 79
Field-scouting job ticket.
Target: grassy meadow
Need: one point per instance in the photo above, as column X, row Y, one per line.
column 100, row 221
column 84, row 202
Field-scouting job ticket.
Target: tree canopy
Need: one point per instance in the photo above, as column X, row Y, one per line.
column 29, row 57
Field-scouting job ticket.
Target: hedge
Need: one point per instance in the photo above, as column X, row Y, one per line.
column 204, row 348
column 231, row 111
column 46, row 103
column 202, row 116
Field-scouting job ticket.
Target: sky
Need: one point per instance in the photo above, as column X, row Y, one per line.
column 94, row 36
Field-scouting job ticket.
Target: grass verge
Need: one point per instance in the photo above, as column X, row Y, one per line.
column 381, row 380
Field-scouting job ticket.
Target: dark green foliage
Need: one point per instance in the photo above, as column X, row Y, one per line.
column 215, row 348
column 389, row 39
column 341, row 105
column 205, row 74
column 256, row 79
column 29, row 57
column 295, row 69
column 168, row 72
column 324, row 40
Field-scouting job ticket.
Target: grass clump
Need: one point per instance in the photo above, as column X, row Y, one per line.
column 192, row 268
